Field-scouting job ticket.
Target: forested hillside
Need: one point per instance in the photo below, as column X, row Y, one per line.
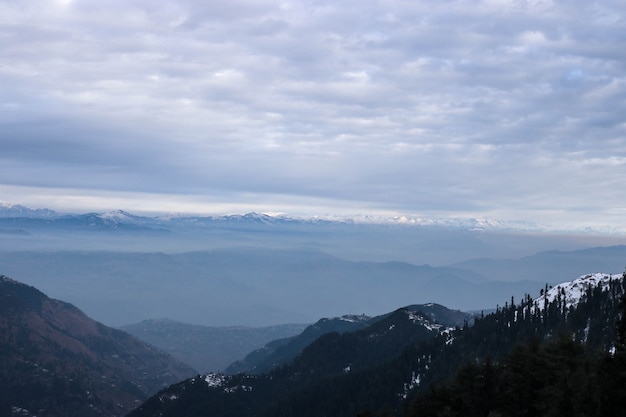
column 403, row 365
column 281, row 352
column 580, row 370
column 56, row 361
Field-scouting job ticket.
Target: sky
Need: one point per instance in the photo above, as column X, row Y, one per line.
column 512, row 110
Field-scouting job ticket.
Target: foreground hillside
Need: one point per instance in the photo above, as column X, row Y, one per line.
column 390, row 367
column 56, row 361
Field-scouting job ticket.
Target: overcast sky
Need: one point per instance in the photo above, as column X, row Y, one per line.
column 500, row 109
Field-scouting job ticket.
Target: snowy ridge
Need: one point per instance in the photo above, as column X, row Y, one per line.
column 8, row 210
column 352, row 318
column 420, row 319
column 118, row 215
column 433, row 326
column 468, row 223
column 574, row 291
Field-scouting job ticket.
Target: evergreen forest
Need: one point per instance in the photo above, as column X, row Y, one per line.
column 533, row 357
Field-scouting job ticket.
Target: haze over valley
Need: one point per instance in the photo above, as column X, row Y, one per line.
column 260, row 270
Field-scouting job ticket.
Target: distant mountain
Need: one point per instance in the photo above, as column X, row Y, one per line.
column 247, row 286
column 56, row 361
column 110, row 221
column 283, row 351
column 260, row 287
column 549, row 266
column 417, row 240
column 208, row 348
column 8, row 210
column 121, row 217
column 122, row 220
column 16, row 210
column 383, row 368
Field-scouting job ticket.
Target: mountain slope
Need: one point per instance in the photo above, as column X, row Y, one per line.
column 329, row 356
column 280, row 352
column 549, row 265
column 54, row 360
column 382, row 367
column 574, row 364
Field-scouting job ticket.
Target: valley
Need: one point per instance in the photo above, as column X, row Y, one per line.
column 246, row 312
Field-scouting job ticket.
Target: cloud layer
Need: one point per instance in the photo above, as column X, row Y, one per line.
column 510, row 109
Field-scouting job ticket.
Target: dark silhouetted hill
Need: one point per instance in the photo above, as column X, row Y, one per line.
column 56, row 361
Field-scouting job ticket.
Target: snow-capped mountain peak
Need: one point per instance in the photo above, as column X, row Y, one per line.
column 121, row 216
column 116, row 214
column 479, row 225
column 573, row 291
column 17, row 210
column 353, row 318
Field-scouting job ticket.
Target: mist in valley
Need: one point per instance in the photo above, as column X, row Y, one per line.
column 249, row 272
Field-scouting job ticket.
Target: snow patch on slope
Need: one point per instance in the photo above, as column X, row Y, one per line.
column 351, row 318
column 214, row 380
column 574, row 291
column 118, row 215
column 419, row 319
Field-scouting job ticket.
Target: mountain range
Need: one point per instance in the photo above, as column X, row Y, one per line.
column 416, row 240
column 405, row 363
column 262, row 270
column 549, row 266
column 247, row 286
column 54, row 360
column 117, row 218
column 208, row 348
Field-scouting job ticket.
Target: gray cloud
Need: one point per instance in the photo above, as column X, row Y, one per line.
column 508, row 109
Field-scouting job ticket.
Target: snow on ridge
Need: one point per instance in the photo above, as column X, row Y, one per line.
column 476, row 224
column 17, row 210
column 576, row 289
column 418, row 318
column 118, row 215
column 352, row 318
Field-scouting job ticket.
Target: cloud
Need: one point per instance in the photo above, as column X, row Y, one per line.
column 503, row 108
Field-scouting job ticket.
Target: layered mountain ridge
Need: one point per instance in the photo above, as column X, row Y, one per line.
column 123, row 219
column 208, row 348
column 381, row 368
column 280, row 352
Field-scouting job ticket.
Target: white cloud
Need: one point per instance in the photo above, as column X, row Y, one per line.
column 441, row 107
